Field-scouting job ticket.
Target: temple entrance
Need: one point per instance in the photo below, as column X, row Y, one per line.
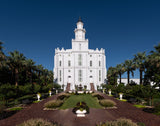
column 80, row 88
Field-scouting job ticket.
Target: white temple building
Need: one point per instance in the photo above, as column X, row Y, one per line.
column 80, row 65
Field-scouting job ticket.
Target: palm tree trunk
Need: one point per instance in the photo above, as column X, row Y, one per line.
column 120, row 78
column 39, row 77
column 141, row 72
column 30, row 76
column 16, row 77
column 128, row 76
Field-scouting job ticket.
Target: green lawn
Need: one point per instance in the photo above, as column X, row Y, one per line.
column 139, row 106
column 92, row 102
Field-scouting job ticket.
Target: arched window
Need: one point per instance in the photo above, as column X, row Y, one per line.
column 80, row 75
column 99, row 75
column 90, row 63
column 60, row 76
column 99, row 63
column 60, row 63
column 80, row 60
column 69, row 63
column 79, row 46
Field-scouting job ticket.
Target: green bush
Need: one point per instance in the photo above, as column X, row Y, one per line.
column 30, row 97
column 98, row 96
column 2, row 106
column 53, row 104
column 56, row 86
column 26, row 89
column 157, row 105
column 37, row 88
column 107, row 103
column 37, row 122
column 63, row 96
column 8, row 91
column 119, row 122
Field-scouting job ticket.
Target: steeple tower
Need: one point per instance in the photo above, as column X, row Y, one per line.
column 80, row 31
column 80, row 43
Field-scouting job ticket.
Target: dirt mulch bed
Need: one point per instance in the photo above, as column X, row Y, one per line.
column 67, row 118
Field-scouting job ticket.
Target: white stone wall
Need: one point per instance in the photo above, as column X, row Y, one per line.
column 125, row 80
column 79, row 46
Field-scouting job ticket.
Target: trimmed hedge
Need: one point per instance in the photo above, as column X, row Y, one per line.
column 63, row 96
column 107, row 103
column 98, row 96
column 53, row 104
column 119, row 122
column 37, row 122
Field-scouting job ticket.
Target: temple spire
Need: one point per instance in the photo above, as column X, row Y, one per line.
column 80, row 31
column 80, row 19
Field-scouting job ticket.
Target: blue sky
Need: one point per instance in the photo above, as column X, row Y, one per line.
column 121, row 27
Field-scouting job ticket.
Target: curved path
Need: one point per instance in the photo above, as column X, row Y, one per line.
column 67, row 118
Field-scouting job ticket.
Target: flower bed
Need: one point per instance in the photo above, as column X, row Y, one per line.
column 81, row 106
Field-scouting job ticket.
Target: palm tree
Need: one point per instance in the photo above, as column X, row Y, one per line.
column 112, row 75
column 2, row 56
column 120, row 70
column 30, row 66
column 15, row 62
column 152, row 72
column 139, row 60
column 39, row 70
column 45, row 71
column 50, row 76
column 129, row 67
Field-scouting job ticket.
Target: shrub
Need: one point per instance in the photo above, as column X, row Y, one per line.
column 37, row 122
column 63, row 96
column 81, row 106
column 53, row 104
column 2, row 106
column 119, row 122
column 157, row 105
column 107, row 103
column 26, row 89
column 8, row 91
column 98, row 96
column 37, row 88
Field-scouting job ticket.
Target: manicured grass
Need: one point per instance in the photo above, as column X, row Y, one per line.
column 71, row 102
column 122, row 99
column 158, row 113
column 139, row 106
column 15, row 109
column 36, row 101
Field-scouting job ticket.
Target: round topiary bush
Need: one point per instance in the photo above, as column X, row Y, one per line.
column 37, row 122
column 53, row 104
column 107, row 103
